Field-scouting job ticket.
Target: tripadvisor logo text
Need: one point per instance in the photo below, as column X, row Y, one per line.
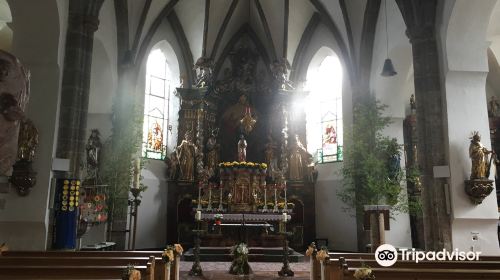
column 386, row 255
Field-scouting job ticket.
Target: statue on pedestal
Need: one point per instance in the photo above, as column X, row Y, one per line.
column 93, row 149
column 242, row 149
column 479, row 156
column 213, row 151
column 186, row 153
column 204, row 68
column 479, row 186
column 297, row 160
column 270, row 157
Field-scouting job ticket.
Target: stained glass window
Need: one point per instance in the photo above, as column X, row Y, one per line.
column 159, row 91
column 324, row 111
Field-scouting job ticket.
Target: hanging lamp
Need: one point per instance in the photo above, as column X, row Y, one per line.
column 388, row 69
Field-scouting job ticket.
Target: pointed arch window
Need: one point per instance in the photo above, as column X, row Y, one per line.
column 324, row 110
column 158, row 102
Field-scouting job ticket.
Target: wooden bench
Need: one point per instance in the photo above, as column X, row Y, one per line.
column 337, row 267
column 14, row 266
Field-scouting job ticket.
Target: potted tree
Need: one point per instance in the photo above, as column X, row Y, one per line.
column 373, row 179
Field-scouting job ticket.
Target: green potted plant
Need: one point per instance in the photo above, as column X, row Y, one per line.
column 371, row 167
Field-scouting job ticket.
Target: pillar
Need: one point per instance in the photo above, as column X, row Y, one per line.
column 420, row 18
column 83, row 21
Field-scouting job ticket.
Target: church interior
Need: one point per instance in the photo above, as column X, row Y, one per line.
column 213, row 139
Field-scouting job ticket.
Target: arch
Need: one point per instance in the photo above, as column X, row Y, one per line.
column 5, row 31
column 323, row 107
column 245, row 29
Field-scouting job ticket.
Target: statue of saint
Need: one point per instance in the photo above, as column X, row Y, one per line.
column 172, row 165
column 14, row 93
column 93, row 148
column 213, row 151
column 242, row 149
column 297, row 160
column 186, row 156
column 270, row 157
column 413, row 104
column 479, row 156
column 493, row 106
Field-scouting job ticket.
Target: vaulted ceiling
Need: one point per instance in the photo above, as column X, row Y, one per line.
column 267, row 18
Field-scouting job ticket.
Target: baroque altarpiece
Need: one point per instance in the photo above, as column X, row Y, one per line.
column 241, row 149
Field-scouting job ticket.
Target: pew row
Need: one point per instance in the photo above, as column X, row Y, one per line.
column 340, row 268
column 108, row 266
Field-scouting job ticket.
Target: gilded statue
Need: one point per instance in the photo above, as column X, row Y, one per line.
column 247, row 122
column 479, row 157
column 213, row 149
column 298, row 160
column 186, row 153
column 14, row 92
column 28, row 141
column 242, row 149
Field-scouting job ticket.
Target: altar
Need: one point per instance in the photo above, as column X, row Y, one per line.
column 241, row 163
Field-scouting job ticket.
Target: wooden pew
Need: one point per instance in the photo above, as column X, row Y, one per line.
column 341, row 268
column 75, row 268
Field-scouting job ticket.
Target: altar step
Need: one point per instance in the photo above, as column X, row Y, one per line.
column 256, row 254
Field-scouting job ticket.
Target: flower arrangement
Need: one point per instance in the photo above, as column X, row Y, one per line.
column 3, row 248
column 239, row 266
column 364, row 273
column 311, row 250
column 322, row 254
column 130, row 273
column 243, row 164
column 218, row 218
column 170, row 252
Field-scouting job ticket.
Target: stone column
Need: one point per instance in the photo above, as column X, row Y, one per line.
column 82, row 23
column 420, row 17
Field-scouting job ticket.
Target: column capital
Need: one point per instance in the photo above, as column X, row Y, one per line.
column 420, row 19
column 85, row 13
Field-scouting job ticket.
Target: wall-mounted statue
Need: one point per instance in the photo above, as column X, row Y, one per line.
column 93, row 149
column 186, row 153
column 280, row 69
column 493, row 106
column 14, row 91
column 478, row 154
column 23, row 177
column 271, row 157
column 479, row 186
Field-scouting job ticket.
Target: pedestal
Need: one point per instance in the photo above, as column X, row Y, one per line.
column 377, row 221
column 478, row 189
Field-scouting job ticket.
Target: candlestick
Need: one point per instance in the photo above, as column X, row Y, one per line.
column 220, row 200
column 209, row 207
column 265, row 200
column 199, row 199
column 275, row 200
column 137, row 173
column 285, row 208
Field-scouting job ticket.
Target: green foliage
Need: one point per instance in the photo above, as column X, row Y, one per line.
column 371, row 167
column 118, row 156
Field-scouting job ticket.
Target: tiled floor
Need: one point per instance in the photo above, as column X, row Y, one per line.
column 261, row 271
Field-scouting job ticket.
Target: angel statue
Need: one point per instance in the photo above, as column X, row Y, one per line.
column 479, row 156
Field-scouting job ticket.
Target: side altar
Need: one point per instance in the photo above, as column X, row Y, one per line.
column 240, row 153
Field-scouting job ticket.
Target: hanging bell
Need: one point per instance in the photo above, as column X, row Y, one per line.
column 388, row 69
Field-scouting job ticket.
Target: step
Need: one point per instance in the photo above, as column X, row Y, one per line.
column 257, row 254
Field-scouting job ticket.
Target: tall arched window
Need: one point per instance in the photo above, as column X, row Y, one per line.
column 159, row 106
column 324, row 108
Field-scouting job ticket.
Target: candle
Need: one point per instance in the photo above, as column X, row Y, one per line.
column 198, row 215
column 285, row 217
column 137, row 173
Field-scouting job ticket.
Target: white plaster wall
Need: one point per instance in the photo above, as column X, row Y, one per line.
column 24, row 221
column 464, row 72
column 394, row 92
column 332, row 222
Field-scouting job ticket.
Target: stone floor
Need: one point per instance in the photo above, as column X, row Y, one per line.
column 261, row 271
